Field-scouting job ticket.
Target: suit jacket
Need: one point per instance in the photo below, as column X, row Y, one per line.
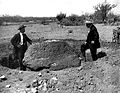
column 93, row 35
column 17, row 39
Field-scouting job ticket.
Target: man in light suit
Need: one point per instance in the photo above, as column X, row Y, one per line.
column 19, row 41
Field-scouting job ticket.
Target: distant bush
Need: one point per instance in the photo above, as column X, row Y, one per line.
column 60, row 16
column 66, row 22
column 1, row 22
column 72, row 20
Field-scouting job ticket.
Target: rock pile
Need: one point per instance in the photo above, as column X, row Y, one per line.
column 42, row 85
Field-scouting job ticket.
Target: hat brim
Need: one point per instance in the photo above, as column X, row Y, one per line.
column 88, row 22
column 22, row 27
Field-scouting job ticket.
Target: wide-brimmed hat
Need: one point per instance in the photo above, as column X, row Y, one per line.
column 21, row 26
column 88, row 22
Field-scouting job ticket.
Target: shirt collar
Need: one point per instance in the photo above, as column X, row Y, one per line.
column 21, row 33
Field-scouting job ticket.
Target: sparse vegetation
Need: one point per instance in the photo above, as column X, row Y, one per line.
column 60, row 17
column 102, row 10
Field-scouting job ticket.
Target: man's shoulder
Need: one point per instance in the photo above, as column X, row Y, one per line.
column 17, row 34
column 93, row 27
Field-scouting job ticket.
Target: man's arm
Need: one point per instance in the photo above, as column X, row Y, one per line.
column 14, row 40
column 29, row 40
column 95, row 34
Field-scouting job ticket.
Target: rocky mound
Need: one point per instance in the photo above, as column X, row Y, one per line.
column 52, row 54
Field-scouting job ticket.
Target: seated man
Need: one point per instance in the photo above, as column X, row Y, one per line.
column 92, row 41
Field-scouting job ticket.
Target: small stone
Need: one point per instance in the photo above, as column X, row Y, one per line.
column 53, row 81
column 54, row 64
column 57, row 89
column 80, row 68
column 9, row 73
column 40, row 86
column 8, row 86
column 44, row 86
column 40, row 74
column 27, row 90
column 3, row 77
column 80, row 58
column 82, row 78
column 35, row 83
column 20, row 79
column 80, row 87
column 81, row 90
column 34, row 90
column 28, row 85
column 20, row 72
column 35, row 80
column 91, row 76
column 47, row 71
column 91, row 83
column 54, row 78
column 40, row 82
column 113, row 65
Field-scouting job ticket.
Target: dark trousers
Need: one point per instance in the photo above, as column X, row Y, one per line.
column 19, row 54
column 92, row 48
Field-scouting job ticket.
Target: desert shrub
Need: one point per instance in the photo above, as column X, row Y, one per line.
column 66, row 22
column 72, row 20
column 60, row 16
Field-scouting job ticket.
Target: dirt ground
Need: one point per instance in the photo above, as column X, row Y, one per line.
column 101, row 76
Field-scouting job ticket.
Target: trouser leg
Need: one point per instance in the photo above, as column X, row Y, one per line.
column 15, row 53
column 84, row 47
column 117, row 37
column 93, row 51
column 20, row 57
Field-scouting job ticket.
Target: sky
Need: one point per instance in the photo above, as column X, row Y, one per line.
column 50, row 8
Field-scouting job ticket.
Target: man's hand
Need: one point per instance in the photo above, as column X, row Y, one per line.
column 85, row 42
column 92, row 42
column 19, row 46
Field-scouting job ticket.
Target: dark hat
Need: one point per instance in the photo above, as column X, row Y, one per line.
column 21, row 26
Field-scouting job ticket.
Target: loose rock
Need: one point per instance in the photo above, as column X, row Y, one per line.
column 8, row 86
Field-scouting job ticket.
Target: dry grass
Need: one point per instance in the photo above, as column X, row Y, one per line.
column 53, row 31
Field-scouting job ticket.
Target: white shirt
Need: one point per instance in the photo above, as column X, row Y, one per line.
column 21, row 38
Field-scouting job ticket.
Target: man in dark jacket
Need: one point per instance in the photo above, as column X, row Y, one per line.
column 92, row 41
column 19, row 41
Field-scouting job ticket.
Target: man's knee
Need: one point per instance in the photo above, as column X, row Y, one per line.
column 83, row 48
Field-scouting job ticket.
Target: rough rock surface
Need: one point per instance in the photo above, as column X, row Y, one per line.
column 52, row 54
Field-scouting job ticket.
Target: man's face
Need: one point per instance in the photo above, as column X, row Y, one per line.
column 88, row 25
column 22, row 30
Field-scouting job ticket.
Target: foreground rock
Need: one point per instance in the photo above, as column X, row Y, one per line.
column 53, row 54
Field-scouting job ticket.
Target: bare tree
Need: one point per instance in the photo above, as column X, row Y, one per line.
column 102, row 10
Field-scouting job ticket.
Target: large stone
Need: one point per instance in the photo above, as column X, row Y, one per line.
column 53, row 54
